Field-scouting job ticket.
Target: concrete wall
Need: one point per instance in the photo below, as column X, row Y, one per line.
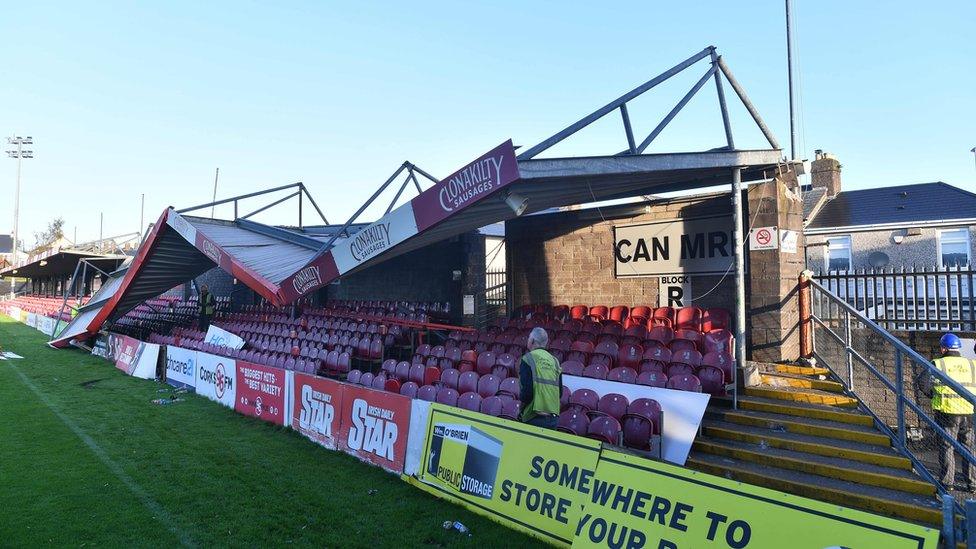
column 567, row 258
column 921, row 250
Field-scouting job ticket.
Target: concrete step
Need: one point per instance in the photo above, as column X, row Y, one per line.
column 883, row 501
column 795, row 394
column 800, row 382
column 807, row 371
column 846, row 449
column 834, row 467
column 803, row 425
column 804, row 410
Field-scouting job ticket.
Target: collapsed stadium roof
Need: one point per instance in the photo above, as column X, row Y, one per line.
column 283, row 265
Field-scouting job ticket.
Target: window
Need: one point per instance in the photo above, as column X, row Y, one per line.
column 838, row 256
column 953, row 247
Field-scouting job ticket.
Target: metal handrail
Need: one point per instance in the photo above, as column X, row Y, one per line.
column 897, row 387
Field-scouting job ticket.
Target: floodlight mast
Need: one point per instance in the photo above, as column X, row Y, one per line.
column 19, row 153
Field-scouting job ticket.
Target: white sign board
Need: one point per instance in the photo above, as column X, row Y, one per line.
column 674, row 291
column 968, row 347
column 216, row 378
column 390, row 230
column 467, row 305
column 764, row 238
column 219, row 336
column 683, row 411
column 181, row 367
column 788, row 241
column 701, row 245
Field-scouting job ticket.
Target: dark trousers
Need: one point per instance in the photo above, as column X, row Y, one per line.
column 204, row 322
column 546, row 422
column 960, row 428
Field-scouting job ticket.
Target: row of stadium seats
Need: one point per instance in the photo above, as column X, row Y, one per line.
column 44, row 305
column 691, row 318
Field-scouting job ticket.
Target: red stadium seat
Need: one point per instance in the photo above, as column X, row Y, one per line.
column 596, row 371
column 449, row 378
column 652, row 379
column 392, row 385
column 690, row 357
column 491, row 405
column 428, row 393
column 712, row 380
column 716, row 319
column 573, row 422
column 611, row 404
column 605, row 429
column 447, row 396
column 689, row 318
column 685, row 382
column 642, row 312
column 598, row 312
column 583, row 400
column 578, row 312
column 641, row 422
column 619, row 313
column 431, row 375
column 469, row 401
column 488, row 385
column 510, row 386
column 468, row 382
column 409, row 389
column 622, row 374
column 572, row 368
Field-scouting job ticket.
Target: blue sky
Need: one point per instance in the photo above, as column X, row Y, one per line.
column 126, row 99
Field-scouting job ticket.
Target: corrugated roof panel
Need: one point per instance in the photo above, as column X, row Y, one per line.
column 271, row 258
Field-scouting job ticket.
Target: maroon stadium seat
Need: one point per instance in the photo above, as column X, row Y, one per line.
column 652, row 379
column 564, row 398
column 417, row 374
column 716, row 319
column 488, row 385
column 629, row 355
column 634, row 335
column 712, row 380
column 403, row 371
column 677, row 369
column 604, row 428
column 641, row 422
column 720, row 341
column 662, row 334
column 572, row 368
column 379, row 382
column 491, row 405
column 448, row 396
column 583, row 400
column 510, row 386
column 428, row 393
column 596, row 371
column 449, row 378
column 611, row 404
column 389, row 366
column 685, row 382
column 469, row 401
column 622, row 374
column 511, row 409
column 409, row 389
column 658, row 353
column 367, row 379
column 573, row 422
column 723, row 361
column 580, row 351
column 468, row 382
column 353, row 376
column 486, row 361
column 688, row 356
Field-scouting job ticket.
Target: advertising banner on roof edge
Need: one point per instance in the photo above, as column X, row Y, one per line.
column 388, row 231
column 488, row 174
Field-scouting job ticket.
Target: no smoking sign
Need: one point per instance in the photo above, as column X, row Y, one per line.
column 764, row 238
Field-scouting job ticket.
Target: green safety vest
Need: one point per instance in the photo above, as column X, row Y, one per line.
column 207, row 305
column 962, row 371
column 546, row 389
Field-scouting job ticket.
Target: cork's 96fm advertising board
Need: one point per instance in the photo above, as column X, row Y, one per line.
column 568, row 491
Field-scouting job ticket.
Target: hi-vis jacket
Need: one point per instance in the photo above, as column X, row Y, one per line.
column 962, row 371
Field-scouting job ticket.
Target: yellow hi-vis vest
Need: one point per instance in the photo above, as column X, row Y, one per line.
column 546, row 389
column 207, row 304
column 962, row 371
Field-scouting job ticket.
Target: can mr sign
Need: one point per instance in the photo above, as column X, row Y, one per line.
column 701, row 245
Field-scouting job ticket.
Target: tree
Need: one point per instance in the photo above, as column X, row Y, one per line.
column 54, row 231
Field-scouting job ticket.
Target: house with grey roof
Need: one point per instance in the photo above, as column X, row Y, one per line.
column 922, row 224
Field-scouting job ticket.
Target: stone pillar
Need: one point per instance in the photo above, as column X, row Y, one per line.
column 772, row 310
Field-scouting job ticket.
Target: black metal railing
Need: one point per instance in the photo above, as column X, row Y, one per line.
column 915, row 298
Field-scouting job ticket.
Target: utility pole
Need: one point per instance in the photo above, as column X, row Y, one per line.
column 789, row 75
column 19, row 154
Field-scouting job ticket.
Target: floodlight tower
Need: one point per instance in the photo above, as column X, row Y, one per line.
column 19, row 153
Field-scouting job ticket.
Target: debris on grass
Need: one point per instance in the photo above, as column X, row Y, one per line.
column 166, row 401
column 456, row 525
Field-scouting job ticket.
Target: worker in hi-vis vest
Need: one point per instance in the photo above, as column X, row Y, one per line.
column 541, row 381
column 206, row 307
column 953, row 412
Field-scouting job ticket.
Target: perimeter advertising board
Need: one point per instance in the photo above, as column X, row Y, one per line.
column 261, row 392
column 635, row 502
column 216, row 378
column 522, row 476
column 701, row 245
column 136, row 358
column 374, row 426
column 318, row 404
column 181, row 367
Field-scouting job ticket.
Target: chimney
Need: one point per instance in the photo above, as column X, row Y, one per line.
column 825, row 173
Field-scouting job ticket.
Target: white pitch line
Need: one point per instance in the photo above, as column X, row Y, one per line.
column 157, row 510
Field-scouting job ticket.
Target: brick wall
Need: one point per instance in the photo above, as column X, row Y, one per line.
column 567, row 258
